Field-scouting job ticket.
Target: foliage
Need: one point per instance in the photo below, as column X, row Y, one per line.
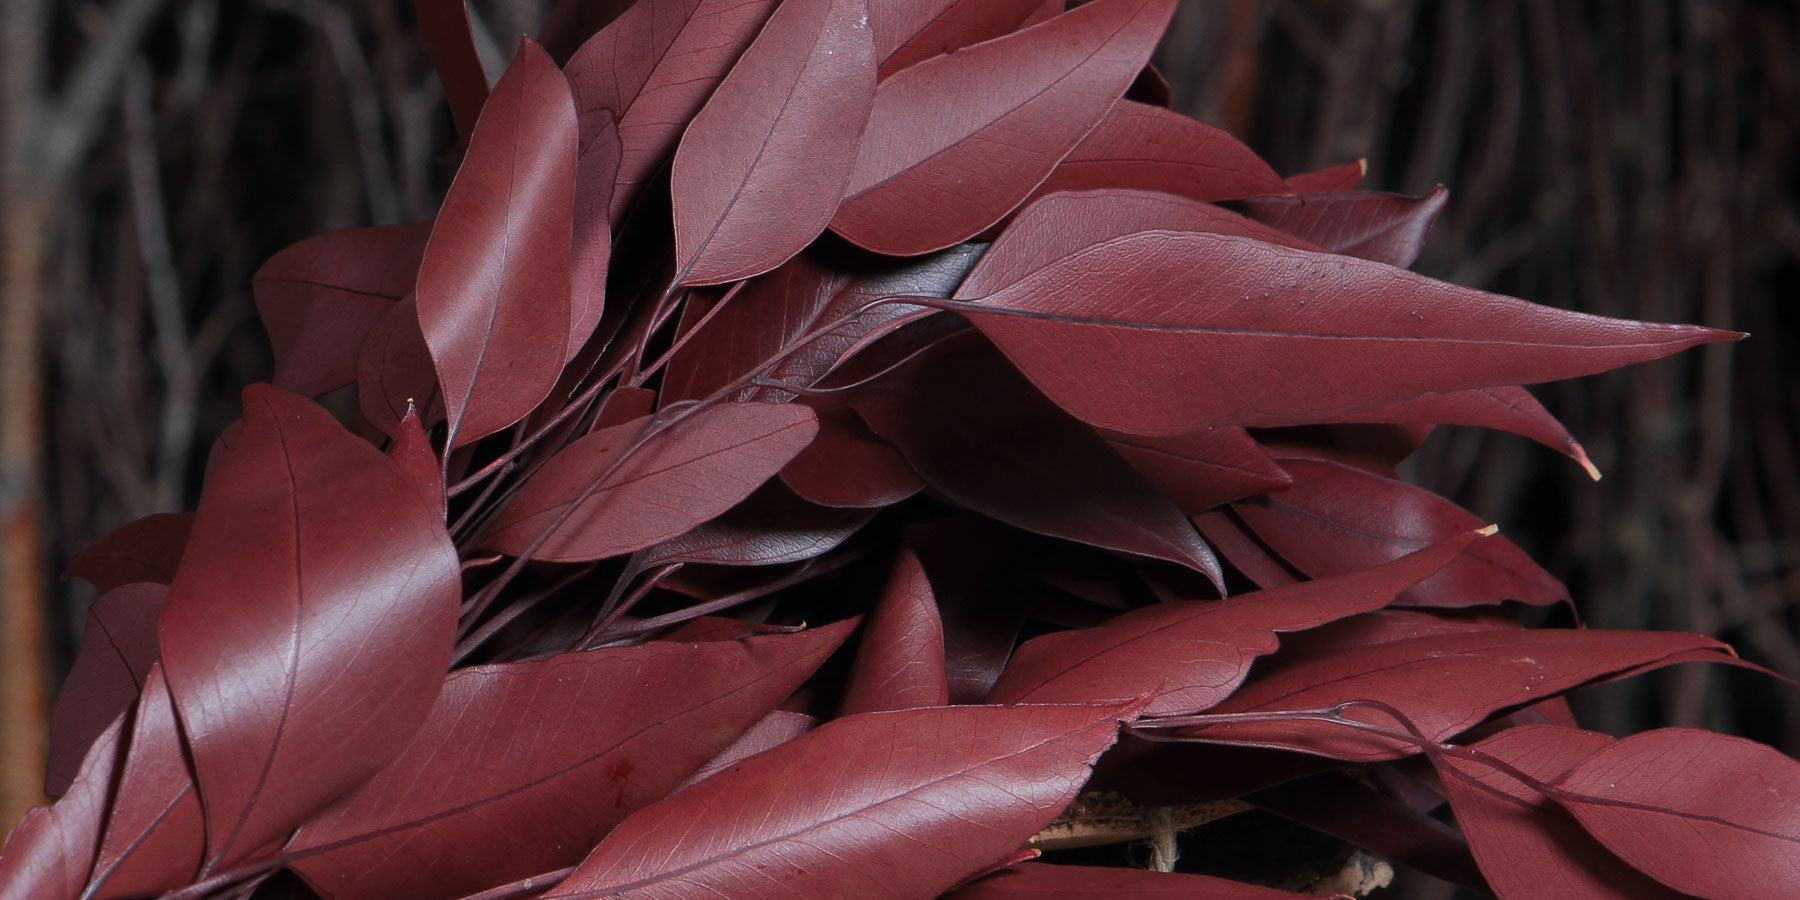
column 794, row 456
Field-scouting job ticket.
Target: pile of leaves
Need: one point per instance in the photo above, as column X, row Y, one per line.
column 832, row 448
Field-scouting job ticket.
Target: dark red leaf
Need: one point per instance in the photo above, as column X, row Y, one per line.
column 1504, row 408
column 1042, row 881
column 769, row 732
column 1243, row 550
column 590, row 256
column 1352, row 811
column 1142, row 146
column 979, row 573
column 155, row 835
column 980, row 434
column 1341, row 177
column 1151, row 87
column 1528, row 847
column 1188, row 656
column 522, row 767
column 762, row 165
column 622, row 405
column 650, row 71
column 1201, row 470
column 118, row 647
column 932, row 174
column 912, row 31
column 1443, row 684
column 310, row 624
column 900, row 664
column 143, row 550
column 847, row 465
column 411, row 450
column 1188, row 325
column 1336, row 519
column 770, row 527
column 394, row 373
column 681, row 476
column 450, row 42
column 1387, row 228
column 571, row 22
column 1707, row 814
column 940, row 794
column 49, row 853
column 318, row 298
column 494, row 283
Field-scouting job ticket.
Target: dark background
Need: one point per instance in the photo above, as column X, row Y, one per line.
column 1632, row 159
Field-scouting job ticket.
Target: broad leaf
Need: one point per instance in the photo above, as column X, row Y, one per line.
column 642, row 483
column 769, row 732
column 762, row 165
column 1042, row 881
column 900, row 664
column 318, row 298
column 49, row 853
column 894, row 804
column 770, row 527
column 143, row 550
column 522, row 767
column 394, row 373
column 847, row 465
column 1142, row 146
column 118, row 647
column 310, row 624
column 155, row 834
column 1387, row 228
column 912, row 31
column 494, row 284
column 1707, row 814
column 1188, row 656
column 931, row 174
column 1188, row 325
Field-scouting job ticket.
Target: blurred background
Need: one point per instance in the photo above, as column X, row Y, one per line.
column 1630, row 159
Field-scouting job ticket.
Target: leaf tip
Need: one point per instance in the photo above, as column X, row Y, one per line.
column 1489, row 530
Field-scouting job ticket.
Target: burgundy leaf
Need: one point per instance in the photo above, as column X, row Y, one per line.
column 494, row 283
column 911, row 31
column 590, row 255
column 622, row 405
column 770, row 527
column 1357, row 813
column 1042, row 881
column 1336, row 518
column 650, row 71
column 1706, row 814
column 1528, row 847
column 310, row 624
column 1387, row 228
column 144, row 550
column 762, row 165
column 450, row 42
column 571, row 22
column 155, row 835
column 1201, row 470
column 49, row 853
column 1142, row 146
column 900, row 664
column 1443, row 684
column 978, row 573
column 522, row 767
column 769, row 732
column 1150, row 87
column 1503, row 407
column 847, row 465
column 1341, row 177
column 980, row 434
column 394, row 373
column 318, row 298
column 118, row 647
column 411, row 450
column 1188, row 656
column 1246, row 553
column 1188, row 325
column 681, row 476
column 938, row 794
column 931, row 174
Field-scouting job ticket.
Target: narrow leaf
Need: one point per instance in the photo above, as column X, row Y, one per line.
column 900, row 664
column 590, row 256
column 49, row 853
column 847, row 465
column 143, row 550
column 155, row 835
column 118, row 647
column 1042, row 881
column 940, row 794
column 494, row 284
column 310, row 624
column 1374, row 225
column 394, row 372
column 769, row 732
column 1204, row 469
column 411, row 450
column 1341, row 177
column 1142, row 146
column 450, row 42
column 912, row 31
column 762, row 165
column 931, row 174
column 770, row 527
column 1503, row 408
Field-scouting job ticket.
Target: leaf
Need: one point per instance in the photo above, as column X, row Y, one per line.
column 1189, row 656
column 590, row 256
column 1043, row 881
column 143, row 550
column 979, row 433
column 50, row 851
column 1527, row 846
column 494, row 283
column 1706, row 814
column 900, row 664
column 1204, row 469
column 1342, row 177
column 1444, row 684
column 682, row 475
column 762, row 165
column 769, row 732
column 319, row 297
column 910, row 31
column 411, row 450
column 770, row 527
column 650, row 71
column 939, row 794
column 1373, row 225
column 1392, row 828
column 450, row 42
column 522, row 767
column 1250, row 556
column 931, row 174
column 976, row 569
column 1137, row 145
column 310, row 624
column 1503, row 408
column 847, row 465
column 155, row 834
column 1336, row 519
column 394, row 373
column 118, row 646
column 1186, row 324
